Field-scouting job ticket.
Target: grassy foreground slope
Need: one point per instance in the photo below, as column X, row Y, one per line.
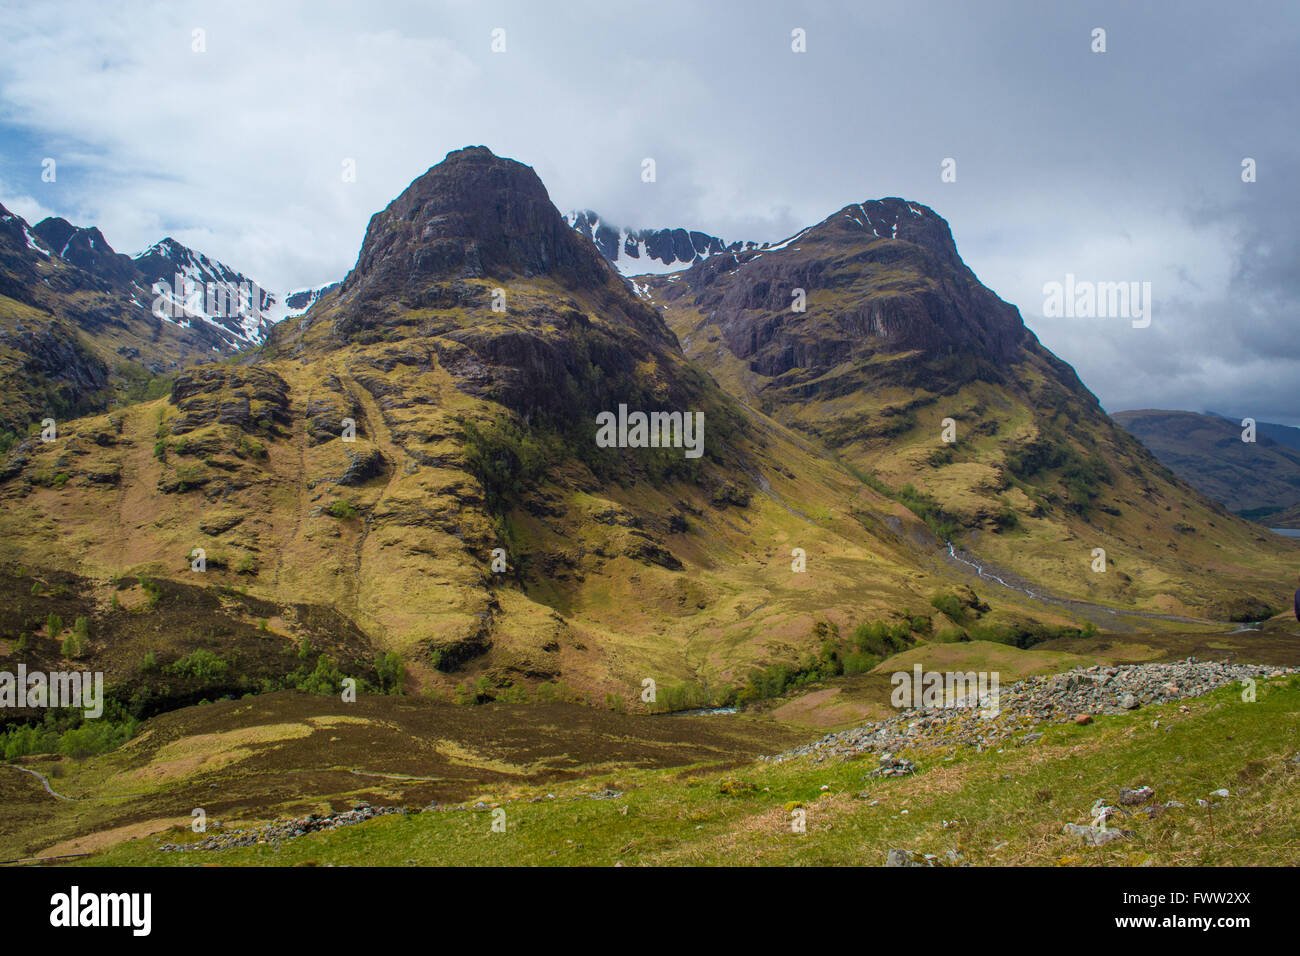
column 579, row 784
column 1000, row 808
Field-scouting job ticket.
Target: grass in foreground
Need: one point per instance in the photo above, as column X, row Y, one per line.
column 995, row 808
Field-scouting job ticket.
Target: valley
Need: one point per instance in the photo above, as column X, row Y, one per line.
column 447, row 569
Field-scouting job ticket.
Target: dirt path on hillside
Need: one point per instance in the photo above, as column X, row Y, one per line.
column 382, row 437
column 44, row 782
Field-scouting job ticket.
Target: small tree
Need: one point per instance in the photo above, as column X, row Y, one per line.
column 78, row 639
column 392, row 672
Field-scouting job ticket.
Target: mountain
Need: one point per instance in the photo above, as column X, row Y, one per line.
column 473, row 348
column 420, row 467
column 187, row 287
column 869, row 334
column 648, row 251
column 76, row 331
column 86, row 248
column 1259, row 480
column 83, row 327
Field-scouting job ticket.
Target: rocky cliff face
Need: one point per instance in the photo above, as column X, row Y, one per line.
column 881, row 276
column 473, row 216
column 474, row 263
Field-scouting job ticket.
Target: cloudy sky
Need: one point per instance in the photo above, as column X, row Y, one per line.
column 1115, row 166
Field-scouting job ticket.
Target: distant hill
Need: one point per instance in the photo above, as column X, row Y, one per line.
column 84, row 328
column 1259, row 480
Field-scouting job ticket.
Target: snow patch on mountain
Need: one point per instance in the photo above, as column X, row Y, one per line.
column 188, row 286
column 640, row 252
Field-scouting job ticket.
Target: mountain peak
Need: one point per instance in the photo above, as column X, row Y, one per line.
column 474, row 215
column 85, row 247
column 892, row 218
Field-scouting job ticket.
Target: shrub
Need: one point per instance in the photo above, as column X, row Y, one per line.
column 325, row 679
column 96, row 737
column 944, row 525
column 343, row 510
column 78, row 639
column 680, row 697
column 153, row 594
column 514, row 694
column 856, row 662
column 950, row 605
column 880, row 639
column 68, row 732
column 506, row 459
column 201, row 665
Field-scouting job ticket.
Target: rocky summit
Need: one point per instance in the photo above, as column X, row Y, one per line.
column 472, row 216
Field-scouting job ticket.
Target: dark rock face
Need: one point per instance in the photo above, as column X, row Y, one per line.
column 473, row 215
column 877, row 276
column 477, row 217
column 326, row 410
column 250, row 398
column 71, row 380
column 86, row 248
column 362, row 466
